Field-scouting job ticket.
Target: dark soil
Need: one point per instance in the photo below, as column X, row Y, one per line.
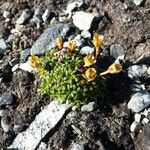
column 109, row 124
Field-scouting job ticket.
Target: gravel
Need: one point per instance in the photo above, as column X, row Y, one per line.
column 6, row 99
column 89, row 107
column 24, row 54
column 135, row 126
column 3, row 46
column 46, row 15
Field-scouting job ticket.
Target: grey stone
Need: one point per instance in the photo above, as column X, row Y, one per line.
column 14, row 61
column 26, row 14
column 138, row 2
column 6, row 99
column 24, row 54
column 46, row 40
column 86, row 34
column 44, row 122
column 136, row 88
column 83, row 20
column 5, row 124
column 76, row 146
column 37, row 17
column 18, row 128
column 137, row 71
column 3, row 46
column 87, row 50
column 139, row 101
column 6, row 14
column 116, row 50
column 137, row 117
column 135, row 126
column 46, row 15
column 89, row 107
column 4, row 113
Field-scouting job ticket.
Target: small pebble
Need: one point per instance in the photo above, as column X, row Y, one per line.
column 4, row 113
column 15, row 68
column 5, row 124
column 37, row 17
column 86, row 34
column 135, row 126
column 6, row 14
column 137, row 88
column 18, row 128
column 137, row 117
column 87, row 50
column 46, row 15
column 145, row 121
column 76, row 146
column 42, row 146
column 138, row 2
column 24, row 54
column 6, row 99
column 26, row 67
column 89, row 107
column 3, row 46
column 14, row 61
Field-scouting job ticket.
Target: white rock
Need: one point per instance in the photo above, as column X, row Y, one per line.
column 145, row 121
column 37, row 17
column 6, row 14
column 148, row 71
column 137, row 117
column 4, row 112
column 43, row 123
column 15, row 68
column 26, row 14
column 87, row 50
column 138, row 2
column 5, row 126
column 139, row 101
column 73, row 5
column 83, row 20
column 137, row 71
column 3, row 46
column 26, row 67
column 137, row 88
column 7, row 20
column 86, row 34
column 46, row 15
column 135, row 126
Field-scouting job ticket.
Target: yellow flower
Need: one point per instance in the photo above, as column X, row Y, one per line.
column 89, row 60
column 34, row 61
column 59, row 43
column 71, row 46
column 90, row 74
column 113, row 69
column 98, row 42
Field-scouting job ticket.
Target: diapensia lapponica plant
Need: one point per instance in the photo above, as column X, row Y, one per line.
column 66, row 75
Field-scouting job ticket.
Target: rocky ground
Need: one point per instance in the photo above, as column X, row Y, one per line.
column 31, row 121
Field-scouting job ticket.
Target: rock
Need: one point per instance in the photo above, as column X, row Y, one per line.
column 18, row 128
column 76, row 146
column 137, row 71
column 3, row 46
column 137, row 117
column 5, row 124
column 145, row 121
column 6, row 14
column 46, row 15
column 148, row 71
column 135, row 126
column 37, row 17
column 15, row 68
column 42, row 146
column 83, row 20
column 137, row 88
column 89, row 107
column 6, row 99
column 7, row 20
column 146, row 112
column 86, row 34
column 146, row 136
column 24, row 54
column 139, row 101
column 4, row 113
column 26, row 67
column 72, row 6
column 44, row 122
column 116, row 50
column 14, row 61
column 26, row 14
column 87, row 50
column 138, row 2
column 46, row 40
